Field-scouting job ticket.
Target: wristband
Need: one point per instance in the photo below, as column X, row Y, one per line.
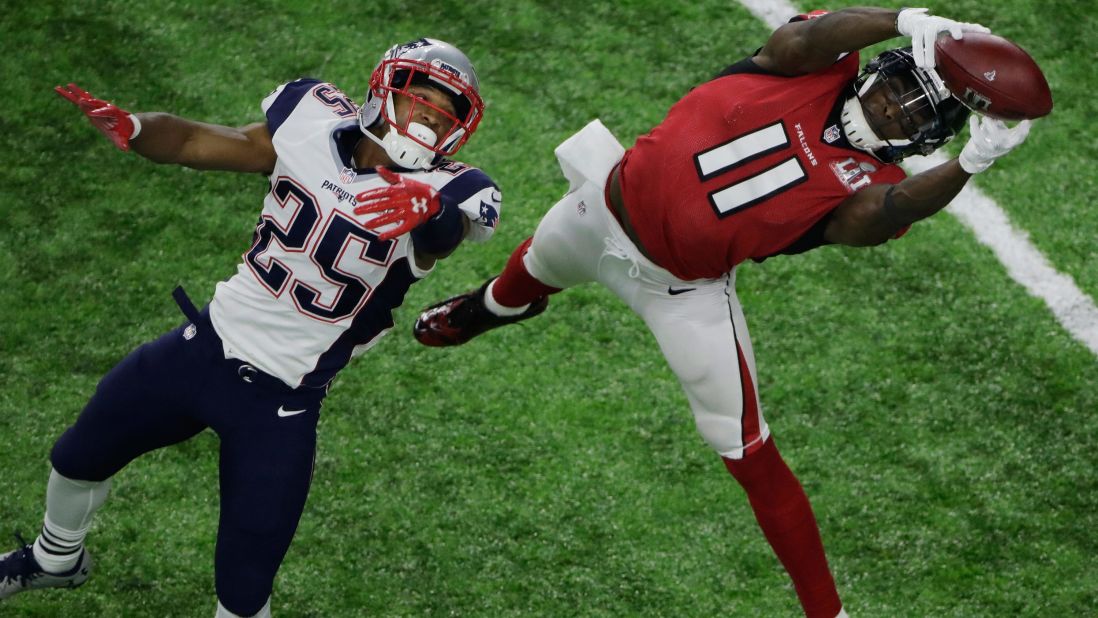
column 441, row 233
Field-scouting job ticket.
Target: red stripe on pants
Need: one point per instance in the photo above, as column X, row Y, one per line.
column 749, row 423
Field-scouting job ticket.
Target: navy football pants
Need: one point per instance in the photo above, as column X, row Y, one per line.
column 167, row 391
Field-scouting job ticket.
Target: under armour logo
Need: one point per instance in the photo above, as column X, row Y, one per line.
column 990, row 76
column 419, row 205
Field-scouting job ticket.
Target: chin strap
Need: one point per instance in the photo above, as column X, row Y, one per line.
column 403, row 150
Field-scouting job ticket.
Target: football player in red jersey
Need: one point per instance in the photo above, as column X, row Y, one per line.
column 782, row 152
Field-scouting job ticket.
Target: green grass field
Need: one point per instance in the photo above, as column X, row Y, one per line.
column 941, row 420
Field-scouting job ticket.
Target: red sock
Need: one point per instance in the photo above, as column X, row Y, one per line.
column 785, row 516
column 516, row 286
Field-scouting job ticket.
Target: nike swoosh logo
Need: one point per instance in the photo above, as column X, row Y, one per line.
column 284, row 412
column 675, row 292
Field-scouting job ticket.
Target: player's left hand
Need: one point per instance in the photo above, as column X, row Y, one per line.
column 923, row 30
column 112, row 121
column 990, row 139
column 405, row 203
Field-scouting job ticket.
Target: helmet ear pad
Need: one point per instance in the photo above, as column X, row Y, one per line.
column 369, row 113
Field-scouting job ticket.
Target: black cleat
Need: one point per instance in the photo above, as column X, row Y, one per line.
column 457, row 320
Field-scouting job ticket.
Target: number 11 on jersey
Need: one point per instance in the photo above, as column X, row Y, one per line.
column 755, row 189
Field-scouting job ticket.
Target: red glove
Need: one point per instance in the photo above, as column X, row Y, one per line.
column 405, row 202
column 113, row 122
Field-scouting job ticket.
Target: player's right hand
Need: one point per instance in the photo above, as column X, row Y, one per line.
column 923, row 30
column 988, row 140
column 113, row 122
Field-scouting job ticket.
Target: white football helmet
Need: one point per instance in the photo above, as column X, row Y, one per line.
column 425, row 62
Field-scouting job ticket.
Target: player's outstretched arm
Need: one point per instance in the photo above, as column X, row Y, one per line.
column 877, row 213
column 809, row 45
column 165, row 138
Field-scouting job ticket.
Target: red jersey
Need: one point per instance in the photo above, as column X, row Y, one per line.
column 742, row 167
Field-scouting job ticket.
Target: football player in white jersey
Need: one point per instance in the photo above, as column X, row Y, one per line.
column 363, row 200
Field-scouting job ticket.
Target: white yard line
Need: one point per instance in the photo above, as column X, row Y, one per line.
column 989, row 223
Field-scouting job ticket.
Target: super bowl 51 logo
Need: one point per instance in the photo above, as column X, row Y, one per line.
column 853, row 174
column 974, row 100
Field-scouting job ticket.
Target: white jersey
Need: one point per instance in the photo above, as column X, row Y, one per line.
column 317, row 288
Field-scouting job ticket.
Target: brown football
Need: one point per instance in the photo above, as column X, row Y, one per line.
column 993, row 76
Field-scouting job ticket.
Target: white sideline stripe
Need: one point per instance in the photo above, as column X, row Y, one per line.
column 1075, row 311
column 1024, row 263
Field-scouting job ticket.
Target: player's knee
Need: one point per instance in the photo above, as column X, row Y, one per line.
column 721, row 432
column 71, row 461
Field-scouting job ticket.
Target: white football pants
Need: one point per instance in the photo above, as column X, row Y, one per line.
column 702, row 332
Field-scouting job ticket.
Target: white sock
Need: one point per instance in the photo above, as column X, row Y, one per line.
column 70, row 505
column 498, row 309
column 265, row 612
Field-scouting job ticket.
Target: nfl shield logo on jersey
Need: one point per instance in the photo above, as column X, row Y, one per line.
column 852, row 174
column 347, row 175
column 831, row 135
column 189, row 332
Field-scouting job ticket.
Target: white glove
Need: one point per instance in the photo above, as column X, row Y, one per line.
column 988, row 140
column 923, row 30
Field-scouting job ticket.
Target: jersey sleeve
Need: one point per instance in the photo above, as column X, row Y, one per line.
column 278, row 105
column 808, row 15
column 479, row 199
